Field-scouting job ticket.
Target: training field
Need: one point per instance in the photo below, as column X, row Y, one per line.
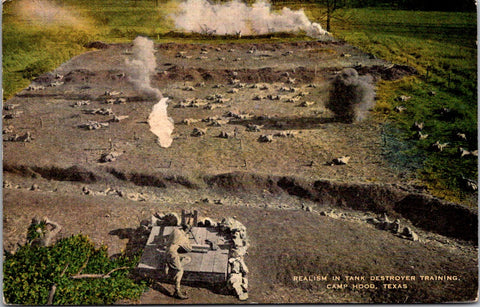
column 254, row 137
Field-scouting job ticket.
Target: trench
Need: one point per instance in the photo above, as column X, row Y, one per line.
column 422, row 210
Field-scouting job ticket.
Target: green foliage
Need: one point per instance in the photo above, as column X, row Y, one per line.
column 442, row 47
column 30, row 273
column 35, row 230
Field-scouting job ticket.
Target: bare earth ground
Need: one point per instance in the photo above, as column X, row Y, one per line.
column 286, row 241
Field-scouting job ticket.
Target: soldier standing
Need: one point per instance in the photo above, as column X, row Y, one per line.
column 177, row 243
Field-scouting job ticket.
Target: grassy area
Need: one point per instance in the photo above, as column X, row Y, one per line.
column 440, row 45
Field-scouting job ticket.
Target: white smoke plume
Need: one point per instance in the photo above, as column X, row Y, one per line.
column 140, row 69
column 237, row 18
column 142, row 66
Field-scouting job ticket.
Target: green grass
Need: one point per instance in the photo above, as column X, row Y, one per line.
column 442, row 47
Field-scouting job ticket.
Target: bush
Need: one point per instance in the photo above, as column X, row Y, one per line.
column 30, row 273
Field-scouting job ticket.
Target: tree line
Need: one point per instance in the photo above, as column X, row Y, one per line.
column 424, row 5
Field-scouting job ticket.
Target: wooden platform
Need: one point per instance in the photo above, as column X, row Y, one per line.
column 207, row 265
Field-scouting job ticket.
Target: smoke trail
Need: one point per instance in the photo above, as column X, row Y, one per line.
column 140, row 68
column 236, row 17
column 351, row 96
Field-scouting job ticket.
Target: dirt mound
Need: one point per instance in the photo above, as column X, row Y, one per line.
column 97, row 45
column 301, row 75
column 79, row 75
column 391, row 73
column 423, row 211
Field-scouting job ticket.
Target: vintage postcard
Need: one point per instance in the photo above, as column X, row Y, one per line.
column 229, row 152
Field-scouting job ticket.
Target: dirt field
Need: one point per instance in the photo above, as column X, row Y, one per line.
column 58, row 173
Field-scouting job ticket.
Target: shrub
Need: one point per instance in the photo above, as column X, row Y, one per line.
column 30, row 273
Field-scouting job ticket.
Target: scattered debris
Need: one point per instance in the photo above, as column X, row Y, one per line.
column 14, row 114
column 118, row 118
column 27, row 137
column 34, row 187
column 273, row 97
column 463, row 152
column 254, row 128
column 420, row 136
column 9, row 107
column 307, row 103
column 437, row 146
column 306, row 208
column 112, row 93
column 417, row 126
column 118, row 100
column 110, row 156
column 233, row 81
column 102, row 111
column 461, row 136
column 399, row 109
column 293, row 99
column 332, row 214
column 225, row 135
column 8, row 129
column 403, row 98
column 285, row 134
column 340, row 160
column 240, row 85
column 210, row 119
column 137, row 196
column 469, row 184
column 288, row 89
column 93, row 125
column 218, row 123
column 81, row 103
column 258, row 97
column 287, row 53
column 214, row 96
column 34, row 87
column 237, row 278
column 199, row 132
column 384, row 223
column 408, row 233
column 266, row 138
column 233, row 91
column 56, row 83
column 189, row 88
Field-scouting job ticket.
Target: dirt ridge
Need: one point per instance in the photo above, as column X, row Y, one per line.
column 424, row 211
